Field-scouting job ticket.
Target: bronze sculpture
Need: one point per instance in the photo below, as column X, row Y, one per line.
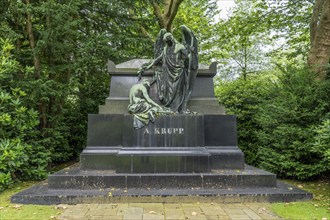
column 176, row 69
column 141, row 105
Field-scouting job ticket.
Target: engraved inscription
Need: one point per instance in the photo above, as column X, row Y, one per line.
column 163, row 131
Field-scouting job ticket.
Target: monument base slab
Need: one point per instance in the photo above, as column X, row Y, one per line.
column 73, row 185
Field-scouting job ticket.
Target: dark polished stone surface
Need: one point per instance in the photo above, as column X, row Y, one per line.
column 134, row 162
column 73, row 186
column 75, row 178
column 220, row 130
column 175, row 143
column 105, row 130
column 198, row 130
column 166, row 131
column 153, row 160
column 40, row 194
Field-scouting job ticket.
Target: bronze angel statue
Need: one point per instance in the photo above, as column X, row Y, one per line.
column 176, row 68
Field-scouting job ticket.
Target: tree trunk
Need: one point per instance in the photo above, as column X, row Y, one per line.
column 166, row 16
column 36, row 59
column 319, row 54
column 36, row 63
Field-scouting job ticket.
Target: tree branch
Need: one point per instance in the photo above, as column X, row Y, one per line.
column 168, row 8
column 174, row 11
column 158, row 14
column 36, row 63
column 141, row 27
column 29, row 29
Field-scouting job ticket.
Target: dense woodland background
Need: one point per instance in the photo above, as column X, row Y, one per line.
column 273, row 74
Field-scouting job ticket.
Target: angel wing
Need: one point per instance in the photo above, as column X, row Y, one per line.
column 159, row 44
column 190, row 42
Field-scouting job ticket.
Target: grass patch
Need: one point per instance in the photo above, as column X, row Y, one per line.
column 318, row 208
column 9, row 211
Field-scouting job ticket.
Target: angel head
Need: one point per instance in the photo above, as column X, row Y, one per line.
column 169, row 39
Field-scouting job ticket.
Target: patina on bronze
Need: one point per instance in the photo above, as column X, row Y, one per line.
column 176, row 69
column 142, row 106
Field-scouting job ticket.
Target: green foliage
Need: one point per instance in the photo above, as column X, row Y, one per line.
column 295, row 108
column 13, row 157
column 241, row 44
column 68, row 44
column 199, row 16
column 320, row 143
column 283, row 121
column 71, row 44
column 260, row 32
column 19, row 157
column 242, row 98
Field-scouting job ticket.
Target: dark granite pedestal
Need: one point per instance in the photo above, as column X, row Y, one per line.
column 175, row 143
column 177, row 158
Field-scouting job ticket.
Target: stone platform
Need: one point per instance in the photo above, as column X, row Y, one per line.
column 72, row 186
column 172, row 144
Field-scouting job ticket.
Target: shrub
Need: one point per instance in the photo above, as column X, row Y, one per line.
column 321, row 144
column 292, row 138
column 20, row 157
column 242, row 98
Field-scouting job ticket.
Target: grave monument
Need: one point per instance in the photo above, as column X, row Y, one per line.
column 161, row 136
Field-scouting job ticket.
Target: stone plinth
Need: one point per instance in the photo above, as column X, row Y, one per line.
column 175, row 143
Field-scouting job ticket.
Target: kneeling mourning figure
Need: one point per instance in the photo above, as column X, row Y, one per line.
column 142, row 106
column 180, row 154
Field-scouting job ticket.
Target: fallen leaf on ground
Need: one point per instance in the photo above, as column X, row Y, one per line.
column 17, row 206
column 261, row 210
column 60, row 207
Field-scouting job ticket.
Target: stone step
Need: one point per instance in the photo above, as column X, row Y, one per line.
column 41, row 194
column 74, row 178
column 171, row 160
